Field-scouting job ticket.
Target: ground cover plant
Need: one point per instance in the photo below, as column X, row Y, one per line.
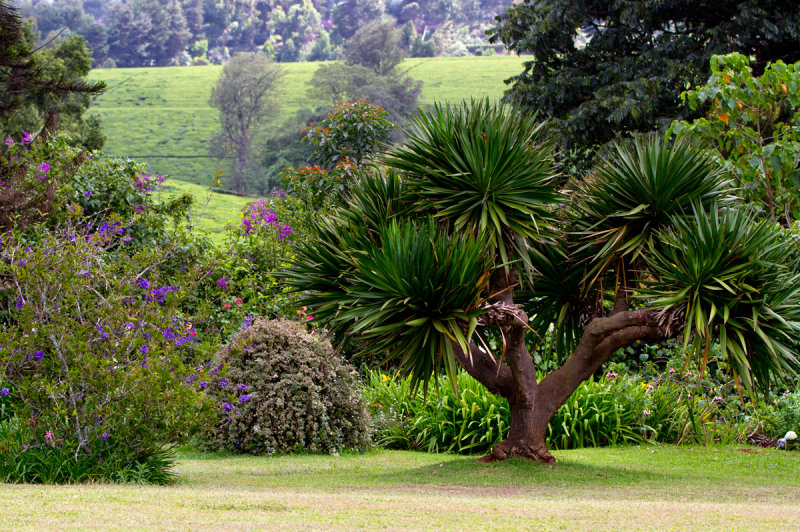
column 621, row 488
column 161, row 115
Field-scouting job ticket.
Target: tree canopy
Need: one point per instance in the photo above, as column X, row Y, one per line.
column 466, row 242
column 45, row 88
column 246, row 97
column 601, row 68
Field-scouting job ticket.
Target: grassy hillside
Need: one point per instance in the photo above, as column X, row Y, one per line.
column 213, row 211
column 162, row 116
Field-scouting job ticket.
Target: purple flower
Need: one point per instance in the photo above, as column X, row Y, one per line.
column 203, row 384
column 37, row 356
column 224, row 382
column 143, row 284
column 611, row 375
column 3, row 392
column 105, row 436
column 87, row 194
column 241, row 387
column 227, row 407
column 168, row 334
column 245, row 398
column 222, row 282
column 144, row 349
column 9, row 141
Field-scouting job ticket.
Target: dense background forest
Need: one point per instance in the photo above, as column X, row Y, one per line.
column 131, row 33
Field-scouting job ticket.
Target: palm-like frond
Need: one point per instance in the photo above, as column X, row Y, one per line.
column 726, row 271
column 417, row 292
column 635, row 192
column 557, row 304
column 408, row 289
column 483, row 169
column 374, row 200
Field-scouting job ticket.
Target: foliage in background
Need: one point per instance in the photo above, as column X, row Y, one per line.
column 161, row 116
column 605, row 69
column 353, row 132
column 286, row 390
column 754, row 124
column 395, row 92
column 783, row 415
column 246, row 97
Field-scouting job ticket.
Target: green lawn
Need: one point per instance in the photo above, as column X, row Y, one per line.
column 648, row 487
column 162, row 116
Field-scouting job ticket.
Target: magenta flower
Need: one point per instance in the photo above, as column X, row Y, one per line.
column 44, row 168
column 26, row 138
column 9, row 141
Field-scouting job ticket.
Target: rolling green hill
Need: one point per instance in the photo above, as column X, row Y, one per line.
column 161, row 115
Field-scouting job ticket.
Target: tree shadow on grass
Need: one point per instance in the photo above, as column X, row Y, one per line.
column 454, row 473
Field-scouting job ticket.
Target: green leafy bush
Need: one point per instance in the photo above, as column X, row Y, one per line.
column 783, row 416
column 286, row 390
column 94, row 357
column 612, row 410
column 241, row 280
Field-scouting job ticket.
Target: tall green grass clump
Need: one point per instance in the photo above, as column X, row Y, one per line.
column 611, row 410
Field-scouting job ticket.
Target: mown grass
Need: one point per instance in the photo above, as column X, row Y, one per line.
column 162, row 116
column 647, row 487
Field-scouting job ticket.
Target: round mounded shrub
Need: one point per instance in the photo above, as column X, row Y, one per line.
column 285, row 390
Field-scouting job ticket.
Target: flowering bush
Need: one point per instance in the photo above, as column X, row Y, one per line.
column 242, row 279
column 285, row 390
column 353, row 131
column 94, row 356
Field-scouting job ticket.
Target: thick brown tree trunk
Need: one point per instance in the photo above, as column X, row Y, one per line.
column 513, row 376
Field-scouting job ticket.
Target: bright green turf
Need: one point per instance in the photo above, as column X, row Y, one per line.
column 629, row 488
column 149, row 113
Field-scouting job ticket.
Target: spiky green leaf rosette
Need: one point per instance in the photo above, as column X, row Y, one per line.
column 409, row 289
column 729, row 274
column 482, row 168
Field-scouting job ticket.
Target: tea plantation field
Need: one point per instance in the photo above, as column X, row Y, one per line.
column 162, row 116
